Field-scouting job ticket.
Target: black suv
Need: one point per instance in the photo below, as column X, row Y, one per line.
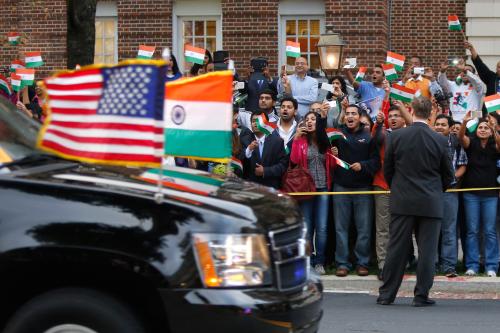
column 91, row 249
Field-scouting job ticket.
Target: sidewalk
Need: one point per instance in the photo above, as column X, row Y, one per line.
column 459, row 287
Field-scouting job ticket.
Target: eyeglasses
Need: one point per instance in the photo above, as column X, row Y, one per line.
column 318, row 110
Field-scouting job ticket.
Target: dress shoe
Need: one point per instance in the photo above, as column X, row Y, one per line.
column 425, row 302
column 381, row 301
column 362, row 271
column 341, row 272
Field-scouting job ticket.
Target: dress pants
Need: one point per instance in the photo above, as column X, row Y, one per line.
column 400, row 240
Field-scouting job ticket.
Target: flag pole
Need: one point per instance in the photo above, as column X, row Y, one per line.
column 159, row 193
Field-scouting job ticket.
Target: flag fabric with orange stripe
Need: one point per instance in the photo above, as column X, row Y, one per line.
column 194, row 54
column 397, row 60
column 198, row 117
column 13, row 37
column 33, row 59
column 145, row 52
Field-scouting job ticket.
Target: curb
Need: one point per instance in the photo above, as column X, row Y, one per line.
column 442, row 284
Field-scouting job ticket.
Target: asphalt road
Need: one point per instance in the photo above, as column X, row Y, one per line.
column 359, row 313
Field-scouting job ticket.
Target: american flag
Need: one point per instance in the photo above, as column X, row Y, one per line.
column 110, row 115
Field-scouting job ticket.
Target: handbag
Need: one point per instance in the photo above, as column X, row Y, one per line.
column 298, row 179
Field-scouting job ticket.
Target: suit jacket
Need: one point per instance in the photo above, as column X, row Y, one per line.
column 418, row 170
column 257, row 83
column 274, row 160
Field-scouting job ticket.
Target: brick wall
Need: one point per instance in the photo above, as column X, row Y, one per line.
column 143, row 22
column 44, row 23
column 250, row 29
column 420, row 27
column 363, row 25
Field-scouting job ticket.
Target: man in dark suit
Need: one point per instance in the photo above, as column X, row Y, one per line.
column 265, row 157
column 417, row 169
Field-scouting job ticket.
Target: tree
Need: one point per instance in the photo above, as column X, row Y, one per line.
column 81, row 32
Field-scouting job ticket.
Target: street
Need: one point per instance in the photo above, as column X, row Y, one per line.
column 360, row 313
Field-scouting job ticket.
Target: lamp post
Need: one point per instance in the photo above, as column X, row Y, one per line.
column 330, row 47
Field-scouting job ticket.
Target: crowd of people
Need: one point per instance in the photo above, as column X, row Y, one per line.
column 364, row 115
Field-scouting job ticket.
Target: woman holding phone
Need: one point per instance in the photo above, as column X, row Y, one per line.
column 311, row 150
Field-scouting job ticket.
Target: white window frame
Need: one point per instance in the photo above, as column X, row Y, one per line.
column 107, row 10
column 282, row 32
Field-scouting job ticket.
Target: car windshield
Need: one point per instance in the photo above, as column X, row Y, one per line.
column 18, row 134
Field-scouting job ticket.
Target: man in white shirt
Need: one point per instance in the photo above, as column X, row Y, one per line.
column 299, row 85
column 287, row 124
column 467, row 90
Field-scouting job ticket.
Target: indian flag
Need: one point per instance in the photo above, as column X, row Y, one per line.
column 236, row 164
column 292, row 49
column 33, row 59
column 194, row 54
column 390, row 72
column 492, row 103
column 264, row 125
column 27, row 76
column 145, row 52
column 361, row 74
column 17, row 64
column 454, row 23
column 198, row 117
column 184, row 179
column 397, row 60
column 4, row 85
column 334, row 134
column 15, row 81
column 13, row 38
column 472, row 125
column 341, row 163
column 402, row 93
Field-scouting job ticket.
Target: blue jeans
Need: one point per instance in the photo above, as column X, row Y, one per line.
column 481, row 210
column 449, row 250
column 360, row 208
column 315, row 212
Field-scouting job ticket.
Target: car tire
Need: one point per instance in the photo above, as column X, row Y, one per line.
column 74, row 310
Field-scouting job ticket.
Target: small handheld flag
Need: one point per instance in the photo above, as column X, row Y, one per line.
column 27, row 76
column 13, row 37
column 145, row 52
column 454, row 23
column 334, row 134
column 194, row 54
column 4, row 85
column 492, row 103
column 402, row 93
column 361, row 74
column 397, row 60
column 341, row 163
column 17, row 64
column 390, row 72
column 33, row 59
column 292, row 49
column 236, row 164
column 15, row 81
column 264, row 125
column 472, row 125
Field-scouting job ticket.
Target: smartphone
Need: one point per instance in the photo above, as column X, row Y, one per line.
column 418, row 70
column 453, row 61
column 240, row 85
column 476, row 114
column 333, row 104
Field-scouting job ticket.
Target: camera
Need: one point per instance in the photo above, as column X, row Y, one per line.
column 453, row 61
column 258, row 64
column 219, row 60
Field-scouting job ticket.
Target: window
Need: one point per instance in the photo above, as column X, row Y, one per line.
column 305, row 31
column 196, row 22
column 106, row 46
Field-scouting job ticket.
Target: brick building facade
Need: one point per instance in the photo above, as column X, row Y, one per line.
column 246, row 28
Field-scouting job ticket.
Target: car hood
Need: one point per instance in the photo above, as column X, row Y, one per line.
column 228, row 195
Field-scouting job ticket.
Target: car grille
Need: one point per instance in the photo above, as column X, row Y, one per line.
column 290, row 261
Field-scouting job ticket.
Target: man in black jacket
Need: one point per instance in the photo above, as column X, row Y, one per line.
column 265, row 157
column 359, row 150
column 418, row 170
column 490, row 78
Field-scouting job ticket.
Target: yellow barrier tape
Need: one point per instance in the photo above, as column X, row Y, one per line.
column 388, row 192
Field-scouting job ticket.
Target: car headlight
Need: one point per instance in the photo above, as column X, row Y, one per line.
column 232, row 260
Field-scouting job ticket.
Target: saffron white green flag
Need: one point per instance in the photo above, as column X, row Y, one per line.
column 472, row 125
column 13, row 38
column 264, row 125
column 454, row 23
column 492, row 103
column 4, row 85
column 236, row 164
column 341, row 163
column 27, row 76
column 15, row 81
column 402, row 93
column 198, row 117
column 397, row 60
column 16, row 64
column 390, row 72
column 333, row 134
column 145, row 52
column 361, row 74
column 33, row 59
column 292, row 49
column 194, row 54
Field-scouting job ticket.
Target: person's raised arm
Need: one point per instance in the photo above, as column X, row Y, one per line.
column 464, row 139
column 492, row 122
column 350, row 78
